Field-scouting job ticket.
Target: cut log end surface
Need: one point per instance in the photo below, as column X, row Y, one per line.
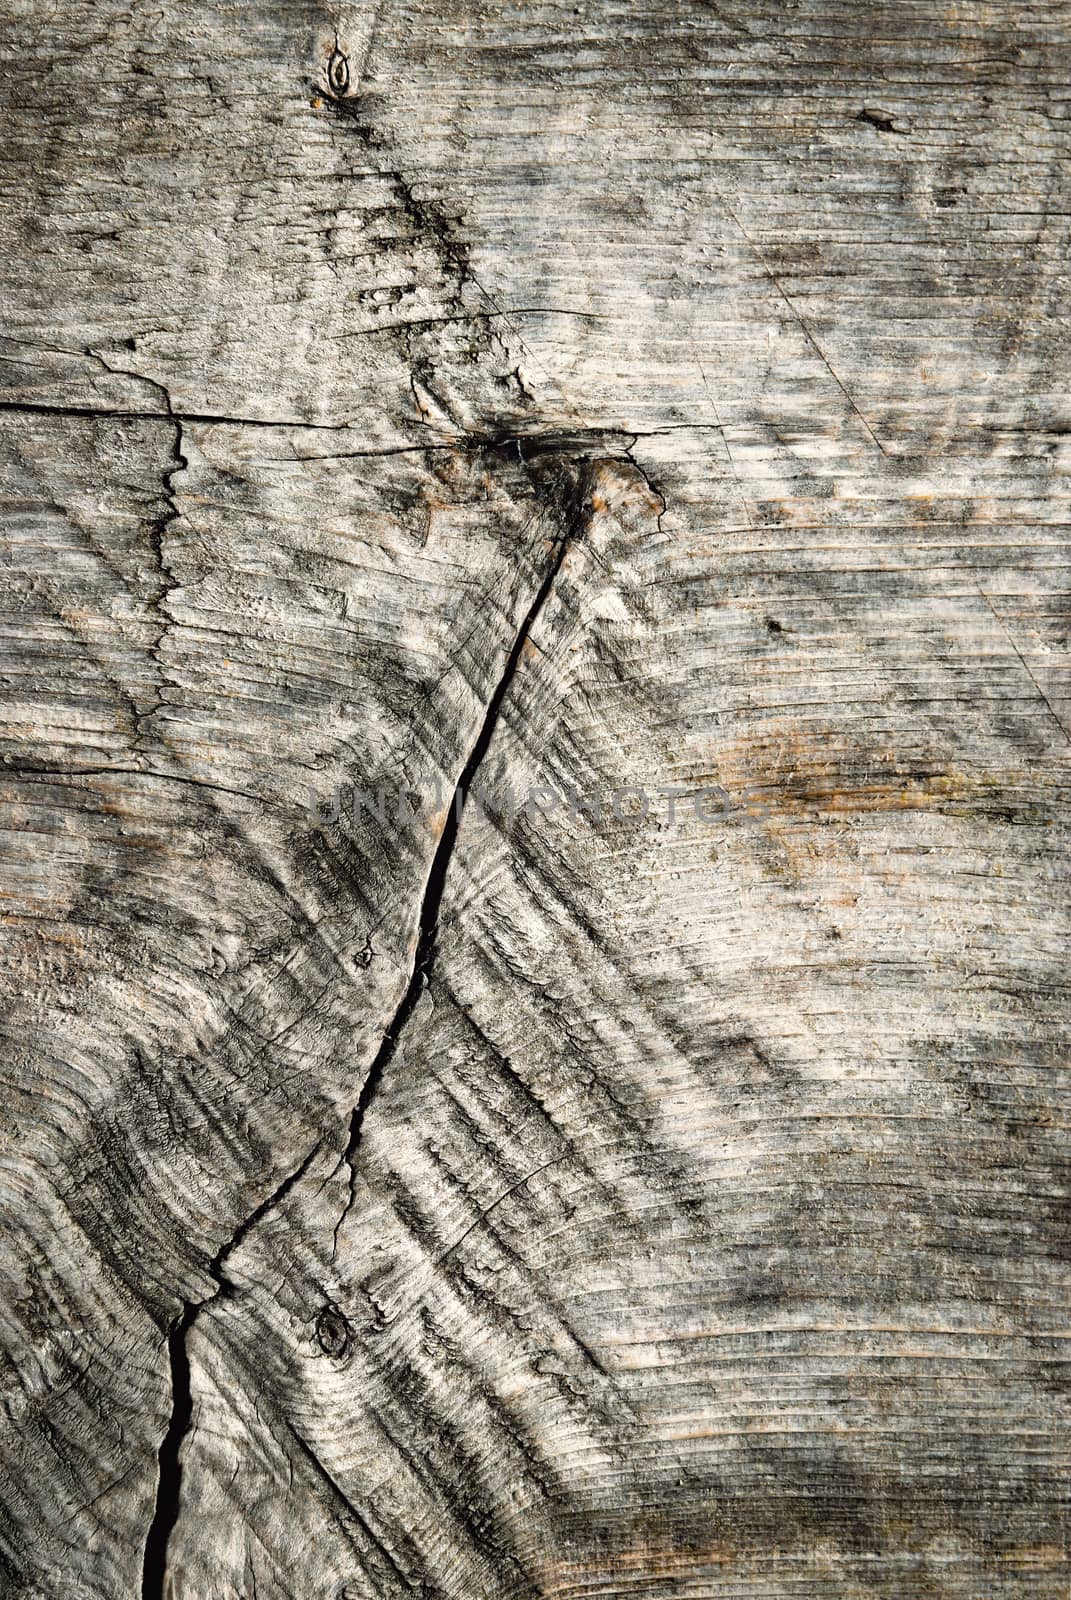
column 533, row 909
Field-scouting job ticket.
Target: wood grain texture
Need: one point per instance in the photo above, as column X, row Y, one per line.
column 479, row 1202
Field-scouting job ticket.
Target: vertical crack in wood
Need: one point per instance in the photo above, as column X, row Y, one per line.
column 169, row 1482
column 574, row 503
column 169, row 1472
column 159, row 528
column 435, row 883
column 158, row 533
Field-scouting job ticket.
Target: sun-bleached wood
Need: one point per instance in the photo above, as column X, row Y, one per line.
column 464, row 404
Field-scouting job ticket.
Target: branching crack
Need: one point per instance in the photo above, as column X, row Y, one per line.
column 539, row 441
column 169, row 1480
column 169, row 1484
column 583, row 444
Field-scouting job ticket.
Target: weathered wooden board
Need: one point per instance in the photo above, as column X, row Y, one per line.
column 456, row 403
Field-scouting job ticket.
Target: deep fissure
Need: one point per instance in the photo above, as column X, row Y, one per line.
column 169, row 1463
column 435, row 883
column 169, row 1483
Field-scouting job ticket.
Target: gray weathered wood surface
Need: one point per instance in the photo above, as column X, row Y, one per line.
column 632, row 392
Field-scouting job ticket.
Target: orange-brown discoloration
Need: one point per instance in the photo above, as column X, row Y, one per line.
column 650, row 1559
column 1036, row 1557
column 796, row 771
